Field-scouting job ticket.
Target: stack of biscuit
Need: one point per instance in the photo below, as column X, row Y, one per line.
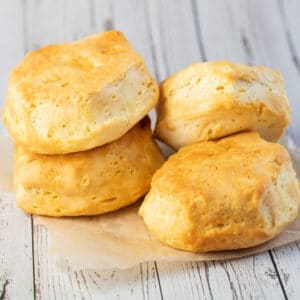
column 229, row 186
column 77, row 113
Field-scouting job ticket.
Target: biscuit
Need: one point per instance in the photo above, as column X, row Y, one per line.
column 91, row 182
column 233, row 193
column 78, row 96
column 211, row 100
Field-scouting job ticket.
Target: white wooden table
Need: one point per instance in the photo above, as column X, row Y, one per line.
column 170, row 35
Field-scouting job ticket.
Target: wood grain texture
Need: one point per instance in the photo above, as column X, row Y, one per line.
column 287, row 258
column 16, row 260
column 170, row 35
column 174, row 36
column 56, row 280
column 287, row 261
column 232, row 279
column 16, row 266
column 11, row 44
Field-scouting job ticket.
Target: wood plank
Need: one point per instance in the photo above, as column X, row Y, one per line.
column 49, row 22
column 287, row 258
column 16, row 267
column 174, row 36
column 150, row 281
column 244, row 278
column 11, row 44
column 289, row 11
column 56, row 280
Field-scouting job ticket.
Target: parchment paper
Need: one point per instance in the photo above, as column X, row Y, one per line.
column 120, row 239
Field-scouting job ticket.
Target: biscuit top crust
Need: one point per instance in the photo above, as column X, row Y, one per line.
column 60, row 72
column 77, row 96
column 233, row 193
column 213, row 86
column 237, row 165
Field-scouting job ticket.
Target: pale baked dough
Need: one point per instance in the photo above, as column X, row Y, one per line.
column 207, row 101
column 228, row 194
column 87, row 183
column 77, row 96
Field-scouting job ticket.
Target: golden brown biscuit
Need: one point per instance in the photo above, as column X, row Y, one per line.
column 91, row 182
column 207, row 101
column 77, row 96
column 233, row 193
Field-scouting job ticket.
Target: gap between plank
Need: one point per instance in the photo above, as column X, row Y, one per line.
column 32, row 254
column 277, row 272
column 24, row 26
column 289, row 41
column 158, row 279
column 198, row 30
